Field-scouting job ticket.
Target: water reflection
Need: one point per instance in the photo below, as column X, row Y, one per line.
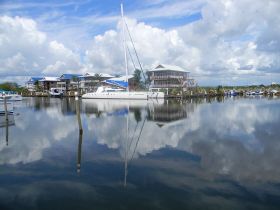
column 214, row 153
column 169, row 112
column 77, row 102
column 5, row 122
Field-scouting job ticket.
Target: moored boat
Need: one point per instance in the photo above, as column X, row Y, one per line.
column 273, row 92
column 10, row 96
column 259, row 92
column 104, row 92
column 56, row 92
column 117, row 93
column 231, row 93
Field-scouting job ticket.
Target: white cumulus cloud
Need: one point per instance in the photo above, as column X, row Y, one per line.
column 24, row 50
column 234, row 42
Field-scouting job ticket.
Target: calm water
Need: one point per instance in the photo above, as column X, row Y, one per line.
column 219, row 154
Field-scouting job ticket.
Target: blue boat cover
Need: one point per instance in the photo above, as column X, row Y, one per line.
column 120, row 112
column 122, row 84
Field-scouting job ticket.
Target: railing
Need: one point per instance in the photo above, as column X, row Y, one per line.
column 165, row 85
column 166, row 77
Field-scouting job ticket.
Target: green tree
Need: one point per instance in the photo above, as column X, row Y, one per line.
column 9, row 86
column 97, row 78
column 137, row 79
column 137, row 115
column 77, row 80
column 220, row 90
column 38, row 88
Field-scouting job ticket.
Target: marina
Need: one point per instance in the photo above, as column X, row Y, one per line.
column 139, row 105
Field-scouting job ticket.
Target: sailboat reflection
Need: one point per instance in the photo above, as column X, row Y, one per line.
column 166, row 114
column 103, row 107
column 130, row 139
column 161, row 114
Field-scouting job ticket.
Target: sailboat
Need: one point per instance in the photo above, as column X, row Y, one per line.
column 121, row 93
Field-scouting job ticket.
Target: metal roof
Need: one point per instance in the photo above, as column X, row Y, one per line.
column 122, row 78
column 165, row 67
column 104, row 75
column 50, row 79
column 34, row 79
column 69, row 76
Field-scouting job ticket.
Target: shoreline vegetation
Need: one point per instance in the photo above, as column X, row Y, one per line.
column 173, row 93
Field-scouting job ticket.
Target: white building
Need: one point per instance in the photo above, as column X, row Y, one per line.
column 168, row 77
column 90, row 80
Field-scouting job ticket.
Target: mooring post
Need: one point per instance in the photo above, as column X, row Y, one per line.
column 78, row 112
column 7, row 133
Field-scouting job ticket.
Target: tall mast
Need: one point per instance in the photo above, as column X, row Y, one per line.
column 124, row 47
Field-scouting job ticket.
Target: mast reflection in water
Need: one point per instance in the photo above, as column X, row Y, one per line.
column 214, row 154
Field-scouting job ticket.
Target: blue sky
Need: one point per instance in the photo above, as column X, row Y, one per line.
column 143, row 10
column 215, row 40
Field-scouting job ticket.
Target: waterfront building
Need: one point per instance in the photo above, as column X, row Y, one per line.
column 32, row 82
column 89, row 81
column 49, row 82
column 168, row 77
column 69, row 82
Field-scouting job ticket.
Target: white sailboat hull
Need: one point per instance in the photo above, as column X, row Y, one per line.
column 124, row 95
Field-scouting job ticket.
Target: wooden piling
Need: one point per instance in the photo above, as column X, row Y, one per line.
column 78, row 112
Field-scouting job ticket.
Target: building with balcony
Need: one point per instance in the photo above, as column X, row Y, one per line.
column 32, row 83
column 89, row 81
column 168, row 77
column 48, row 82
column 69, row 82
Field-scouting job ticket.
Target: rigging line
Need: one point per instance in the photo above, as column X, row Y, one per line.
column 138, row 139
column 124, row 47
column 132, row 137
column 131, row 57
column 135, row 51
column 125, row 156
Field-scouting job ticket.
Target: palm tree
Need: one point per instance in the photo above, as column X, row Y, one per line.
column 97, row 78
column 138, row 79
column 77, row 79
